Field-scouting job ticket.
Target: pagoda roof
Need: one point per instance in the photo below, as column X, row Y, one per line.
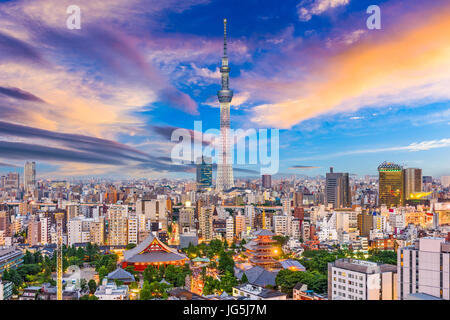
column 120, row 274
column 264, row 232
column 152, row 250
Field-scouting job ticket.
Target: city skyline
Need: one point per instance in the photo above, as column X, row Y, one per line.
column 103, row 100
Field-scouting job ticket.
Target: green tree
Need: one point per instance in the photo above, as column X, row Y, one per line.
column 92, row 286
column 226, row 262
column 244, row 278
column 102, row 272
column 227, row 282
column 146, row 292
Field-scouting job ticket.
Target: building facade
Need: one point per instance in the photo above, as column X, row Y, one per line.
column 351, row 279
column 424, row 268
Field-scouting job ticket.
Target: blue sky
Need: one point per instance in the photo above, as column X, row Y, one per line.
column 103, row 100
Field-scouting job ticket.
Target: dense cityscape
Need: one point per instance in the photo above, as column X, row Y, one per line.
column 95, row 203
column 301, row 238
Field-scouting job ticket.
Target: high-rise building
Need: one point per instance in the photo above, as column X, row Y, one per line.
column 186, row 219
column 390, row 184
column 365, row 223
column 229, row 235
column 133, row 229
column 12, row 180
column 155, row 211
column 117, row 225
column 239, row 225
column 298, row 199
column 280, row 225
column 205, row 219
column 445, row 180
column 97, row 231
column 266, row 181
column 29, row 176
column 204, row 172
column 34, row 232
column 337, row 189
column 424, row 268
column 225, row 180
column 413, row 182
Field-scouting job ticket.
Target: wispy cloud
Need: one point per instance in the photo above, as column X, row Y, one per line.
column 413, row 147
column 308, row 8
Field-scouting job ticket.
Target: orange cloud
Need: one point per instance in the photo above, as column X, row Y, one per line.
column 400, row 67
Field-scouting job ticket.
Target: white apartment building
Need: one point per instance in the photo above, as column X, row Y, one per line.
column 352, row 279
column 45, row 230
column 133, row 229
column 397, row 219
column 229, row 229
column 117, row 225
column 424, row 268
column 294, row 228
column 280, row 225
column 78, row 230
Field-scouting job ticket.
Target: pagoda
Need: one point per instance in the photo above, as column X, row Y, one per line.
column 261, row 250
column 152, row 252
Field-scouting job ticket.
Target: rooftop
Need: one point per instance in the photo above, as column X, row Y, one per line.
column 259, row 291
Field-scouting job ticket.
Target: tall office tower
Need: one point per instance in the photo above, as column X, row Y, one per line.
column 424, row 269
column 266, row 181
column 298, row 199
column 12, row 180
column 204, row 172
column 205, row 222
column 337, row 189
column 413, row 181
column 390, row 184
column 225, row 180
column 118, row 225
column 445, row 181
column 29, row 176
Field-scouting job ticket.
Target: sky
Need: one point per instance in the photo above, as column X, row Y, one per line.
column 104, row 100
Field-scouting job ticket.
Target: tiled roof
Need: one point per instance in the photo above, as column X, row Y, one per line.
column 120, row 274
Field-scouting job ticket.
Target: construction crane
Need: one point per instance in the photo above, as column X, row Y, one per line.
column 59, row 265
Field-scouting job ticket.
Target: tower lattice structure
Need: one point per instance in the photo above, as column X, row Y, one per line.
column 225, row 178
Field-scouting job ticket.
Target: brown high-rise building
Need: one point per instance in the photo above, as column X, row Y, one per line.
column 299, row 213
column 298, row 199
column 34, row 232
column 337, row 190
column 365, row 223
column 5, row 224
column 266, row 181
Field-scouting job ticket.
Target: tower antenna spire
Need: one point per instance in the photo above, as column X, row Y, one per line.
column 224, row 37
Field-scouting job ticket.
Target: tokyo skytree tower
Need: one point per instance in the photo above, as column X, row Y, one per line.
column 224, row 180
